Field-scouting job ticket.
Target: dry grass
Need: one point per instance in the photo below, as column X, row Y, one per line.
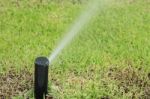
column 13, row 83
column 131, row 82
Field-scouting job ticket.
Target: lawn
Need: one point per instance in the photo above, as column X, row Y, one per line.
column 109, row 59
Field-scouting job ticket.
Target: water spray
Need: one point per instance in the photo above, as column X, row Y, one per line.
column 42, row 63
column 90, row 11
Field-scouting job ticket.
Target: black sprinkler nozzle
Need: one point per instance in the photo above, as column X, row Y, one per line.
column 41, row 77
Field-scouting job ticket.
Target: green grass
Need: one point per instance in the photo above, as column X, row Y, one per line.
column 118, row 36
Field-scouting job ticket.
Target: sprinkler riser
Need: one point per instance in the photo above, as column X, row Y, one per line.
column 41, row 77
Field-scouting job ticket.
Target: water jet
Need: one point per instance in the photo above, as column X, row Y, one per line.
column 42, row 63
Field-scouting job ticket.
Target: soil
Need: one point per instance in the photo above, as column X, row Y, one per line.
column 132, row 82
column 13, row 83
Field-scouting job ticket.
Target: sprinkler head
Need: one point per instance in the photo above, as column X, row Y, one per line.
column 41, row 77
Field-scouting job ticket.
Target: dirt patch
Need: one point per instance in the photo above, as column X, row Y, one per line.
column 49, row 97
column 13, row 83
column 131, row 82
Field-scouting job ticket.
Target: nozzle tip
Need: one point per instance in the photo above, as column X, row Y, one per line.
column 42, row 61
